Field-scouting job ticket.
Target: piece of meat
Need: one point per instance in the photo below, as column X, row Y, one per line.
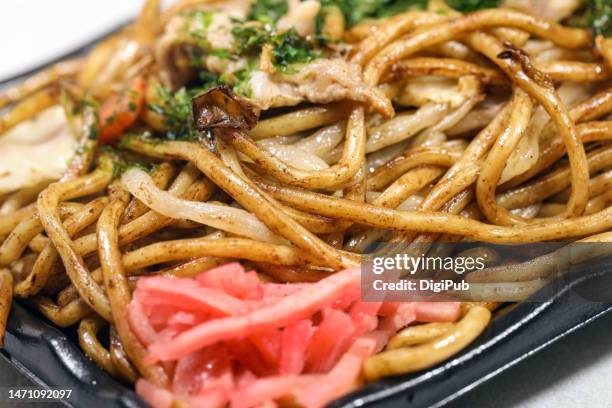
column 319, row 81
column 555, row 10
column 302, row 17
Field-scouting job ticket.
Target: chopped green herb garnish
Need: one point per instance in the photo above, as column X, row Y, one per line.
column 223, row 53
column 202, row 18
column 196, row 26
column 175, row 107
column 123, row 161
column 287, row 48
column 249, row 38
column 241, row 78
column 355, row 11
column 268, row 11
column 467, row 6
column 208, row 80
column 597, row 15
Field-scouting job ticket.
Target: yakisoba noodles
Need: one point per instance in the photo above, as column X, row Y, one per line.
column 289, row 137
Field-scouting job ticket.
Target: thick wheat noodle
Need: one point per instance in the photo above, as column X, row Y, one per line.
column 407, row 360
column 62, row 316
column 450, row 189
column 594, row 107
column 58, row 281
column 117, row 354
column 364, row 29
column 352, row 158
column 293, row 274
column 70, row 293
column 355, row 192
column 447, row 30
column 597, row 185
column 147, row 24
column 480, row 145
column 475, row 151
column 6, row 298
column 501, row 292
column 118, row 290
column 162, row 175
column 193, row 267
column 454, row 68
column 412, row 158
column 437, row 222
column 595, row 204
column 414, row 335
column 220, row 216
column 23, row 197
column 553, row 182
column 15, row 244
column 8, row 222
column 76, row 269
column 313, row 223
column 575, row 71
column 117, row 60
column 467, row 306
column 452, row 119
column 112, row 63
column 248, row 196
column 91, row 345
column 407, row 185
column 458, row 50
column 96, row 59
column 391, row 31
column 185, row 185
column 28, row 108
column 39, row 80
column 431, row 116
column 38, row 243
column 476, row 120
column 549, row 99
column 178, row 250
column 555, row 149
column 300, row 120
column 446, row 67
column 489, row 256
column 42, row 268
column 423, row 241
column 546, row 265
column 452, row 197
column 492, row 168
column 134, row 230
column 454, row 203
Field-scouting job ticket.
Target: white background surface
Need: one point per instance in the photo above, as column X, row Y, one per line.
column 577, row 372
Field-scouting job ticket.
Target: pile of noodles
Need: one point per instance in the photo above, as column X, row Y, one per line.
column 499, row 131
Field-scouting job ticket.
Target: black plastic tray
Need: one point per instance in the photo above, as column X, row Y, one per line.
column 52, row 359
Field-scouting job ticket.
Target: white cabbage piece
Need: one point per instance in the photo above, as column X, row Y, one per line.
column 35, row 151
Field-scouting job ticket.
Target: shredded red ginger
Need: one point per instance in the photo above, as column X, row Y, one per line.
column 235, row 341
